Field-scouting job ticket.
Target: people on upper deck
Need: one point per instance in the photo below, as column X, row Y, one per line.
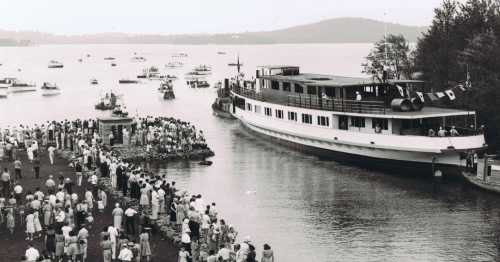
column 431, row 132
column 358, row 96
column 454, row 132
column 441, row 132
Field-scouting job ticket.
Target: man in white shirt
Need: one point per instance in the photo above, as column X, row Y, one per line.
column 130, row 220
column 51, row 151
column 50, row 184
column 113, row 234
column 224, row 253
column 126, row 254
column 83, row 235
column 31, row 253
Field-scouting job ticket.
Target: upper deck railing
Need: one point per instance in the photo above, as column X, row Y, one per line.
column 311, row 102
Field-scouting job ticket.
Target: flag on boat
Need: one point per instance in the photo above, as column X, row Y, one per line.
column 461, row 87
column 468, row 83
column 450, row 94
column 421, row 96
column 440, row 94
column 432, row 96
column 401, row 90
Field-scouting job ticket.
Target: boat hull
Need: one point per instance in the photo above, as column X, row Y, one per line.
column 21, row 89
column 471, row 178
column 395, row 166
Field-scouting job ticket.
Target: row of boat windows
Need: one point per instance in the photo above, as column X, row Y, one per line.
column 377, row 123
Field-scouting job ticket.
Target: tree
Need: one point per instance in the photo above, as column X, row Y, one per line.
column 466, row 38
column 392, row 53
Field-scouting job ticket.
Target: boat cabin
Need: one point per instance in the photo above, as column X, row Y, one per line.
column 351, row 103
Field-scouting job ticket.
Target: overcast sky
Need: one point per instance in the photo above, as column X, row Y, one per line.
column 198, row 16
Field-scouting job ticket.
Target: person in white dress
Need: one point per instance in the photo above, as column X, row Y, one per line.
column 117, row 216
column 30, row 226
column 37, row 224
column 113, row 235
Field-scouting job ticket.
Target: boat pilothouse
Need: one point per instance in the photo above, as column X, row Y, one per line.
column 357, row 119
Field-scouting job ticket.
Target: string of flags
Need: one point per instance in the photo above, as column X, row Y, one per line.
column 434, row 96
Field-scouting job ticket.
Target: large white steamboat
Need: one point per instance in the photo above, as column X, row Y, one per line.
column 357, row 120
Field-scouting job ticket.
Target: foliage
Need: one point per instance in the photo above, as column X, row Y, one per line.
column 466, row 37
column 397, row 59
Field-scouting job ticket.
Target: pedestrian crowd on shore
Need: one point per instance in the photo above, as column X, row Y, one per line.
column 62, row 211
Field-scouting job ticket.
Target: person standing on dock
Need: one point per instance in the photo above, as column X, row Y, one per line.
column 5, row 182
column 51, row 151
column 17, row 169
column 36, row 167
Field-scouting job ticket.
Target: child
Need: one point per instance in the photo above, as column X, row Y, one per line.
column 11, row 223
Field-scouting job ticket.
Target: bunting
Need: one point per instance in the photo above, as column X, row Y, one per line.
column 450, row 94
column 440, row 94
column 401, row 90
column 421, row 96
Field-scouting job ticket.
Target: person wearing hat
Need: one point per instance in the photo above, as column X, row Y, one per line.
column 117, row 216
column 50, row 184
column 126, row 254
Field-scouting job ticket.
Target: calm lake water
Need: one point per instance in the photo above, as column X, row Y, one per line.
column 306, row 208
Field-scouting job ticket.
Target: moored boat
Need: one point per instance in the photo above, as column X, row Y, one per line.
column 128, row 81
column 55, row 64
column 49, row 89
column 94, row 81
column 174, row 64
column 198, row 83
column 483, row 173
column 19, row 87
column 357, row 120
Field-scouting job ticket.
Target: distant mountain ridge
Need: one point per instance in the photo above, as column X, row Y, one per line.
column 336, row 30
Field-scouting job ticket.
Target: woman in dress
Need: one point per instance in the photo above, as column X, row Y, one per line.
column 106, row 248
column 37, row 224
column 144, row 202
column 267, row 254
column 10, row 221
column 173, row 213
column 47, row 213
column 72, row 243
column 59, row 244
column 50, row 241
column 30, row 226
column 144, row 243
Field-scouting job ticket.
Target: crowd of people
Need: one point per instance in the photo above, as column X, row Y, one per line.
column 61, row 211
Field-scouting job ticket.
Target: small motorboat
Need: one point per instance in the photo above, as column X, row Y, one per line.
column 205, row 163
column 128, row 81
column 107, row 102
column 55, row 64
column 94, row 81
column 138, row 59
column 18, row 87
column 4, row 91
column 198, row 83
column 167, row 88
column 179, row 55
column 203, row 70
column 174, row 64
column 109, row 58
column 113, row 64
column 221, row 53
column 49, row 89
